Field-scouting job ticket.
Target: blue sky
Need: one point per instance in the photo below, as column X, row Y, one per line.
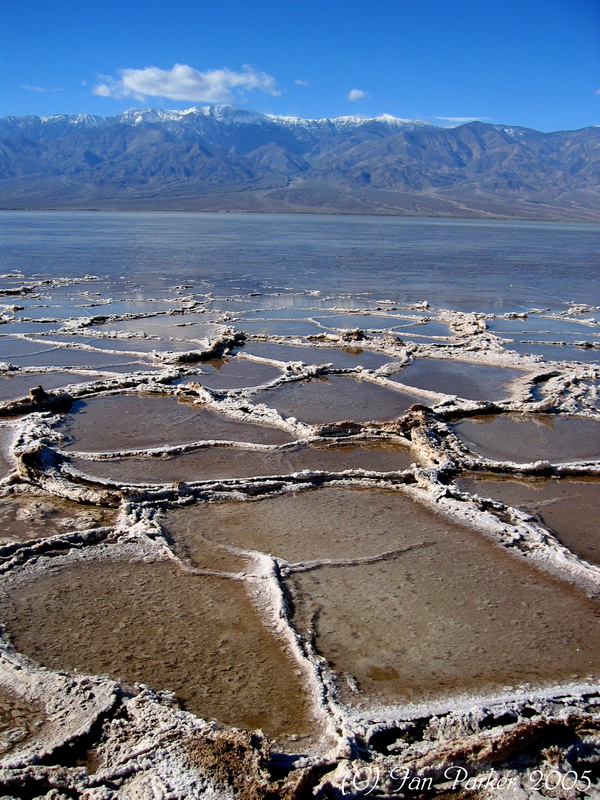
column 534, row 62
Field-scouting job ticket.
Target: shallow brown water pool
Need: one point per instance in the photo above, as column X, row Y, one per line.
column 516, row 437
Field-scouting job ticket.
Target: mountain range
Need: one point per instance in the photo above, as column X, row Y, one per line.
column 219, row 158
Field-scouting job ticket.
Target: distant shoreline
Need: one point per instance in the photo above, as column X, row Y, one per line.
column 594, row 219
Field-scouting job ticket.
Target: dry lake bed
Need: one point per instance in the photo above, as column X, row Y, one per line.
column 293, row 544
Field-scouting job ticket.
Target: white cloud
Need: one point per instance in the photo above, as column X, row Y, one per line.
column 597, row 91
column 300, row 82
column 39, row 88
column 356, row 94
column 185, row 83
column 462, row 120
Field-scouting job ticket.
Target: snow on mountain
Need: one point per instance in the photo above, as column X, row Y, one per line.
column 196, row 115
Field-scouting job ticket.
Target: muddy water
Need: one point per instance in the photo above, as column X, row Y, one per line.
column 450, row 612
column 27, row 516
column 402, row 603
column 570, row 507
column 456, row 614
column 234, row 462
column 516, row 437
column 342, row 358
column 471, row 381
column 336, row 398
column 122, row 422
column 198, row 636
column 332, row 523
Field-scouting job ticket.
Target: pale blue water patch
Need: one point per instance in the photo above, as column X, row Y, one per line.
column 363, row 321
column 14, row 385
column 234, row 305
column 535, row 324
column 296, row 313
column 85, row 359
column 552, row 352
column 556, row 336
column 178, row 326
column 52, row 312
column 278, row 327
column 121, row 307
column 493, row 266
column 11, row 347
column 431, row 328
column 28, row 327
column 135, row 345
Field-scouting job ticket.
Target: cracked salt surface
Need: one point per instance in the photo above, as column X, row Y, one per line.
column 228, row 527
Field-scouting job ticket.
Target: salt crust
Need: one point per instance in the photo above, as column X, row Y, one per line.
column 149, row 748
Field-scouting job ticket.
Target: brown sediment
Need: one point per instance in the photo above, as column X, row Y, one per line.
column 120, row 422
column 20, row 720
column 307, row 526
column 532, row 437
column 199, row 551
column 210, row 463
column 570, row 507
column 336, row 398
column 25, row 516
column 195, row 635
column 417, row 626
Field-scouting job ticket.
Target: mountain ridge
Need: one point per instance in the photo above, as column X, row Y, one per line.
column 221, row 158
